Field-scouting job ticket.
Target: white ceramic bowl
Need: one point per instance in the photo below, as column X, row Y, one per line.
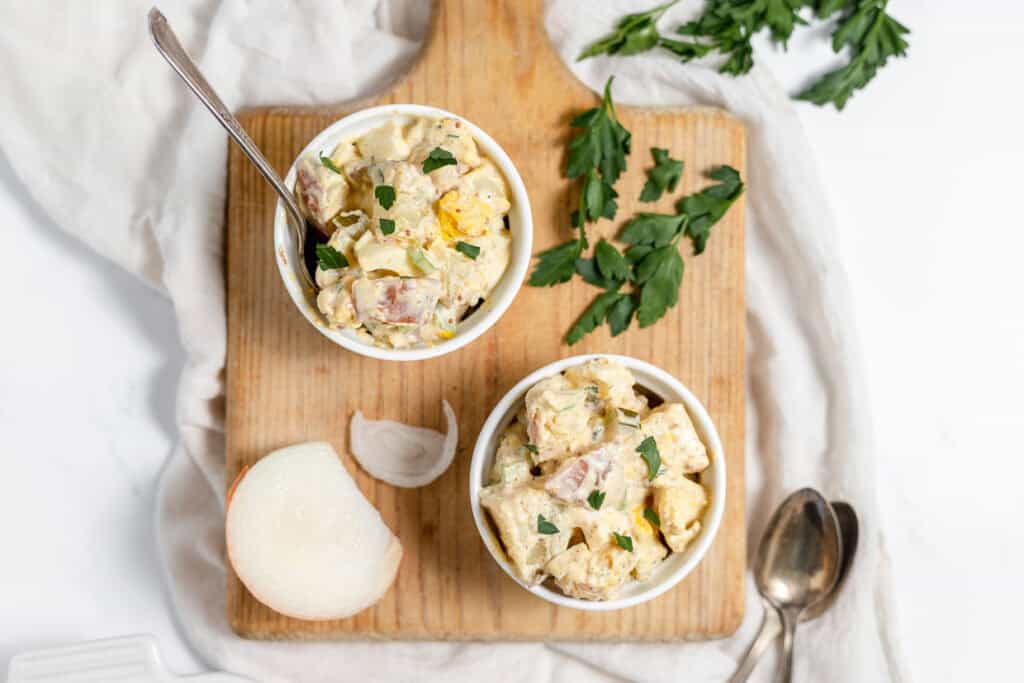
column 677, row 565
column 520, row 223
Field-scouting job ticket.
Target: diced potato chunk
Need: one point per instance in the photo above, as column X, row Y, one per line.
column 511, row 462
column 320, row 190
column 614, row 382
column 680, row 508
column 396, row 301
column 592, row 575
column 384, row 143
column 681, row 450
column 514, row 511
column 375, row 255
column 600, row 469
column 558, row 419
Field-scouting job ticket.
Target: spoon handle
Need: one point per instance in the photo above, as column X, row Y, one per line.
column 790, row 619
column 771, row 626
column 169, row 46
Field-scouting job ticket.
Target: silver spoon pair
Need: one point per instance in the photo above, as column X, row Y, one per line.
column 804, row 556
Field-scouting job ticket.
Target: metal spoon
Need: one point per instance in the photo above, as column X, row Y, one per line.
column 167, row 44
column 771, row 625
column 797, row 562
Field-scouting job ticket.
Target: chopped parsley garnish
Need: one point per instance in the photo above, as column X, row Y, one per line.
column 329, row 163
column 530, row 447
column 385, row 194
column 596, row 499
column 387, row 226
column 330, row 258
column 437, row 158
column 664, row 176
column 624, row 542
column 470, row 250
column 545, row 527
column 648, row 450
column 652, row 517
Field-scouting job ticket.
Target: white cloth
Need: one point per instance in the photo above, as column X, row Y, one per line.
column 117, row 152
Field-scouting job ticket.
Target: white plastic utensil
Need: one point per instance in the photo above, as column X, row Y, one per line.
column 131, row 659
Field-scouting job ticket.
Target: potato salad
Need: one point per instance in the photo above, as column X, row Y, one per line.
column 419, row 237
column 592, row 487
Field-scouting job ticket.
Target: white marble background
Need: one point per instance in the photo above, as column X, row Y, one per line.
column 923, row 171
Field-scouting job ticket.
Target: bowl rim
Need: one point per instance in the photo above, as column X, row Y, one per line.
column 490, row 312
column 712, row 518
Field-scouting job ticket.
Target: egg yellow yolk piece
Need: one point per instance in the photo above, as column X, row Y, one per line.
column 461, row 216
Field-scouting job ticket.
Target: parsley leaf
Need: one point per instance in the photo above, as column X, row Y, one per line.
column 530, row 447
column 437, row 158
column 663, row 176
column 621, row 314
column 873, row 37
column 556, row 265
column 660, row 273
column 603, row 144
column 470, row 250
column 385, row 194
column 588, row 270
column 330, row 258
column 327, row 162
column 597, row 200
column 633, row 33
column 596, row 499
column 706, row 207
column 652, row 229
column 652, row 517
column 624, row 542
column 610, row 262
column 648, row 450
column 545, row 527
column 592, row 317
column 387, row 226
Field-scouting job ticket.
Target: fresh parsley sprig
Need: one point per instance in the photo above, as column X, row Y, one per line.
column 597, row 155
column 651, row 263
column 729, row 26
column 873, row 37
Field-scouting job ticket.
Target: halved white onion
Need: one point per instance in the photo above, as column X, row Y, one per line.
column 304, row 540
column 401, row 455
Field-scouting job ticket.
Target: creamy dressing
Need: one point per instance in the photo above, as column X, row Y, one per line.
column 406, row 283
column 571, row 457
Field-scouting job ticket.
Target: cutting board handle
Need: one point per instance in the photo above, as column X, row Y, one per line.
column 499, row 39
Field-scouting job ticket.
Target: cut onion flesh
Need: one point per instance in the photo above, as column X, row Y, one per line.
column 401, row 455
column 304, row 540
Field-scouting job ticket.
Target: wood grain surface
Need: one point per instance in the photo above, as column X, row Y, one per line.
column 489, row 61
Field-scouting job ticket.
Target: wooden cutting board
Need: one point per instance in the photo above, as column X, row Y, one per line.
column 489, row 61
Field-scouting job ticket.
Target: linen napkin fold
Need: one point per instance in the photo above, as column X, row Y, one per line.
column 118, row 153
